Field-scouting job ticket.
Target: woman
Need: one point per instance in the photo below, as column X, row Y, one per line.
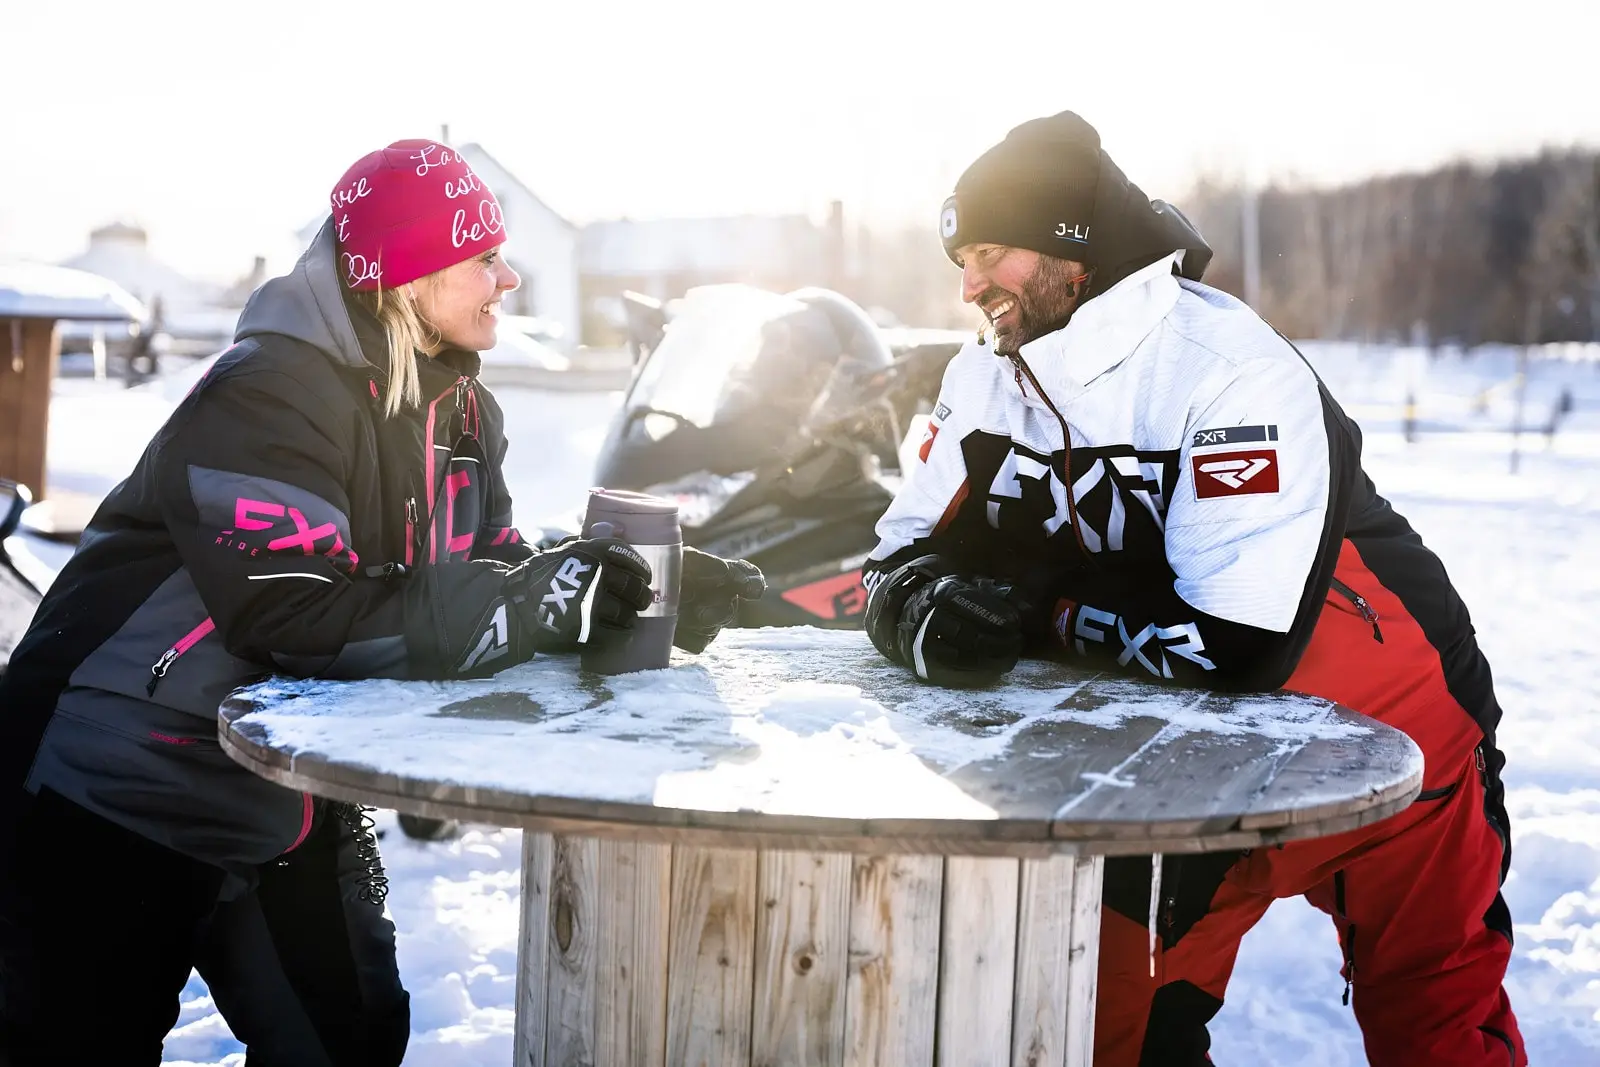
column 328, row 501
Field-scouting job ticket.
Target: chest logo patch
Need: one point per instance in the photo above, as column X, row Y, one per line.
column 1235, row 473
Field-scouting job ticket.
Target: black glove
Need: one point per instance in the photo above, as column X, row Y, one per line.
column 579, row 591
column 950, row 630
column 709, row 594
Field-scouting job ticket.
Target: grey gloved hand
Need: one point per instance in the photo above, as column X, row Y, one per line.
column 709, row 594
column 580, row 590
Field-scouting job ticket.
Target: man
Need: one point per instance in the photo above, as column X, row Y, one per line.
column 1140, row 474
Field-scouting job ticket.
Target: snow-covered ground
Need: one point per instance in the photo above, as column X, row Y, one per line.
column 1520, row 547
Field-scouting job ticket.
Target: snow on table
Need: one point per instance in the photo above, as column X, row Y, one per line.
column 807, row 733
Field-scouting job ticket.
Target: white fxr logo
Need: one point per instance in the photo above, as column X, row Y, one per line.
column 567, row 581
column 1233, row 473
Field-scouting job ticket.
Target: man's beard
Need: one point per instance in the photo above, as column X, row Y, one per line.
column 1044, row 305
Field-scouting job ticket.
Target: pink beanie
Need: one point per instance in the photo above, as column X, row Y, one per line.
column 408, row 210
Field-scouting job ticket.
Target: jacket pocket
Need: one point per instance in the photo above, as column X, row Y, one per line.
column 1444, row 792
column 151, row 771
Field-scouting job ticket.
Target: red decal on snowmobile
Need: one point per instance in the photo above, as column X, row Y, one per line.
column 838, row 597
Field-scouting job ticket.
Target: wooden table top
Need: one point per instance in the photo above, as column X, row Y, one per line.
column 808, row 739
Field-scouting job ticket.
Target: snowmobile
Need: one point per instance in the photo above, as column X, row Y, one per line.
column 781, row 425
column 778, row 423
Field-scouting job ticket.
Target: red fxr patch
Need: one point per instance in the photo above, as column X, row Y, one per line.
column 927, row 442
column 1235, row 473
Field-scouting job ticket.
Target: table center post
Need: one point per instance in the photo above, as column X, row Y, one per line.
column 679, row 954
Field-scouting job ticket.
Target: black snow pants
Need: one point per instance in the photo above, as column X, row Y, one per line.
column 99, row 928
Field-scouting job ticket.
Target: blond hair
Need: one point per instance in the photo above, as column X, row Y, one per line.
column 407, row 333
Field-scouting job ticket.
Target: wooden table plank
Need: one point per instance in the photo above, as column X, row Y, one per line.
column 802, row 942
column 891, row 994
column 977, row 961
column 574, row 951
column 1044, row 950
column 711, row 957
column 635, row 881
column 1083, row 954
column 538, row 853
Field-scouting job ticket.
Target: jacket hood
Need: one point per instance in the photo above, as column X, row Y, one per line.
column 1136, row 231
column 307, row 304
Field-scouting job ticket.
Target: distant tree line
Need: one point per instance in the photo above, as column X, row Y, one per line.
column 1462, row 254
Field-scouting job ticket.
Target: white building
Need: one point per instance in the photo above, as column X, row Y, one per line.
column 541, row 245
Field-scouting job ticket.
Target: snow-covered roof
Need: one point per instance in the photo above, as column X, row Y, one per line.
column 119, row 252
column 37, row 291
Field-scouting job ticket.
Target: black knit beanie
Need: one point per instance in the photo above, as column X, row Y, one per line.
column 1050, row 187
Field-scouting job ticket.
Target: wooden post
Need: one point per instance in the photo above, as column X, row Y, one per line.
column 29, row 349
column 1516, row 415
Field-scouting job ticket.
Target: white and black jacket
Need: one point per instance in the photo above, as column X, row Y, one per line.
column 1211, row 479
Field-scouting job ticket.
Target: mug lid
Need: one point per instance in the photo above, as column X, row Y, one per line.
column 628, row 502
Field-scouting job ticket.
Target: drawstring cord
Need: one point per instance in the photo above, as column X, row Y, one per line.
column 374, row 881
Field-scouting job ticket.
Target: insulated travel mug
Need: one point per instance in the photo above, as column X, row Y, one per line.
column 650, row 525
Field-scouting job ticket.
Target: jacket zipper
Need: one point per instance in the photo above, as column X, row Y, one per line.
column 411, row 529
column 159, row 669
column 1022, row 369
column 461, row 391
column 1164, row 875
column 1364, row 608
column 1349, row 936
column 1016, row 367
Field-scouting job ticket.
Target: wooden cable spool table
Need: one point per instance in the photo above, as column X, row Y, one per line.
column 789, row 851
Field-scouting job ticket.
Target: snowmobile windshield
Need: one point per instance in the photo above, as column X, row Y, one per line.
column 733, row 352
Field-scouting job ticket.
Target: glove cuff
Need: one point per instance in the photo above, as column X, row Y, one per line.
column 886, row 601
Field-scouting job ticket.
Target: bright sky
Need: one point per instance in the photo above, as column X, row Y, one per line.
column 222, row 125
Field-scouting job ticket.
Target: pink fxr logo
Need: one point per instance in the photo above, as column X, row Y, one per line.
column 247, row 516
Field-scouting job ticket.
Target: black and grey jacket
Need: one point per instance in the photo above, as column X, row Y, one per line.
column 277, row 522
